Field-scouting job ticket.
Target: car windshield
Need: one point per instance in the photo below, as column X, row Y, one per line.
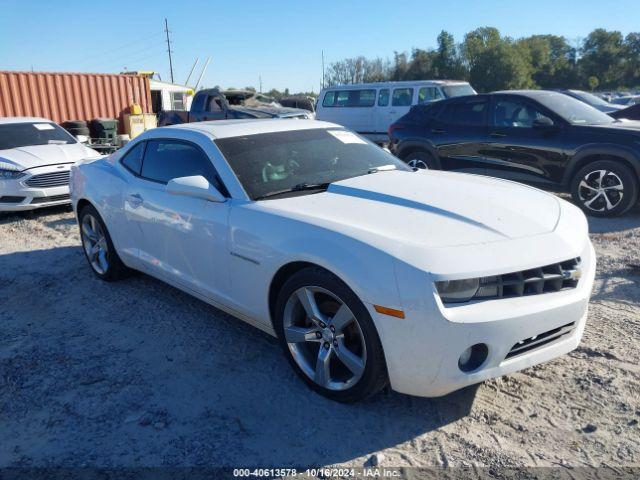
column 589, row 98
column 458, row 90
column 16, row 135
column 574, row 111
column 269, row 164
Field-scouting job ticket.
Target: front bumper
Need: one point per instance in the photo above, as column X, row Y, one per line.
column 422, row 350
column 17, row 195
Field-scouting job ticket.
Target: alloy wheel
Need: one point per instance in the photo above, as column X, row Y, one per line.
column 601, row 190
column 324, row 338
column 417, row 163
column 94, row 242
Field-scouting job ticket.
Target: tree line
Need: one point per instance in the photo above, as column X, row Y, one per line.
column 604, row 60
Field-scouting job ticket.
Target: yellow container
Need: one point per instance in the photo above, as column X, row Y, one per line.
column 150, row 120
column 135, row 109
column 133, row 125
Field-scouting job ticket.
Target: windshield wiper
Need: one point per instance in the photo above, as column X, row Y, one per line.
column 296, row 188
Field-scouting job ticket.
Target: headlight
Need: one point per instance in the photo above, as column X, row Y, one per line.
column 456, row 291
column 10, row 174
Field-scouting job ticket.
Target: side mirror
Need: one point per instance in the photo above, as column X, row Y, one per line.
column 197, row 187
column 82, row 138
column 543, row 123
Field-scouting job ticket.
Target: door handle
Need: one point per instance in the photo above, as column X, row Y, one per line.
column 135, row 199
column 437, row 130
column 498, row 134
column 392, row 111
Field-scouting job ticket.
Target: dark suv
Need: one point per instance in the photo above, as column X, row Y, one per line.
column 544, row 138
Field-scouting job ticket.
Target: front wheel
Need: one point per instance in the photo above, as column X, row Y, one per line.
column 605, row 188
column 329, row 337
column 98, row 247
column 422, row 161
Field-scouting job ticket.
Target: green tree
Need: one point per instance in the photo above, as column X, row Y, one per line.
column 552, row 61
column 494, row 62
column 448, row 63
column 603, row 57
column 632, row 56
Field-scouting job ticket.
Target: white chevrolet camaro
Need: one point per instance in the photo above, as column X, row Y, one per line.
column 35, row 158
column 368, row 272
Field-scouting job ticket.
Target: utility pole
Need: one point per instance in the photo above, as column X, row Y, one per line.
column 322, row 68
column 166, row 29
column 260, row 81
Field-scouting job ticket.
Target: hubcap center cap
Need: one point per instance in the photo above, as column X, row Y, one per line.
column 327, row 335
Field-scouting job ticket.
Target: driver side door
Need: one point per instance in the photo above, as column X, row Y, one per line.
column 214, row 108
column 516, row 149
column 184, row 239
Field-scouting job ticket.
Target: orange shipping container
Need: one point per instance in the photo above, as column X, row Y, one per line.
column 72, row 96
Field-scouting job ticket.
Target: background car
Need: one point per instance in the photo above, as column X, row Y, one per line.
column 629, row 113
column 368, row 272
column 35, row 158
column 370, row 108
column 544, row 138
column 592, row 100
column 626, row 101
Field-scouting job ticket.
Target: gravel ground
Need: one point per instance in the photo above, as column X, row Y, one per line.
column 137, row 373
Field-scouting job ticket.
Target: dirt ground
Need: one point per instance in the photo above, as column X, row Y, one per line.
column 137, row 373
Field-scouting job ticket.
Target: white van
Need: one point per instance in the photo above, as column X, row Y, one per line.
column 369, row 108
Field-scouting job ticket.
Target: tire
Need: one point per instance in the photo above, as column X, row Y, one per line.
column 605, row 188
column 106, row 263
column 75, row 131
column 74, row 124
column 350, row 337
column 422, row 160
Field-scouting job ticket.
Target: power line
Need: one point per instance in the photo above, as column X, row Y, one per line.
column 166, row 29
column 135, row 53
column 110, row 51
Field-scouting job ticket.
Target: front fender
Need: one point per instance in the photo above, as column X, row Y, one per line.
column 261, row 244
column 411, row 145
column 601, row 149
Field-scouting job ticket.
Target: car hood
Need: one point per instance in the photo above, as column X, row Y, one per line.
column 24, row 158
column 269, row 111
column 426, row 208
column 622, row 126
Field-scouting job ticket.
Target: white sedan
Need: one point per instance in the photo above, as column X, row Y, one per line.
column 368, row 272
column 35, row 159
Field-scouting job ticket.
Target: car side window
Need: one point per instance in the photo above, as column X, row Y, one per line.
column 429, row 94
column 329, row 99
column 165, row 160
column 514, row 114
column 213, row 104
column 132, row 160
column 472, row 112
column 402, row 97
column 383, row 97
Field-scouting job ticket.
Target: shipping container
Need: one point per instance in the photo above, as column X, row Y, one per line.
column 72, row 96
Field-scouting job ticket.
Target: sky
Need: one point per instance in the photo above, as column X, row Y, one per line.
column 279, row 41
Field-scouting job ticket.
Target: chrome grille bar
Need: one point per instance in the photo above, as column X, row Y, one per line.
column 53, row 179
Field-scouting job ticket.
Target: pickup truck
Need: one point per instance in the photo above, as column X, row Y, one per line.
column 213, row 105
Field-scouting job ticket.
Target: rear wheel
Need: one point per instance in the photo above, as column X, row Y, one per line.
column 329, row 337
column 98, row 247
column 422, row 160
column 605, row 188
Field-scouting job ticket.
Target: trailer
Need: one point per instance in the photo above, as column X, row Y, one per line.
column 65, row 97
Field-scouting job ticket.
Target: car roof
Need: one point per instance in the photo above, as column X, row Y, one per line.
column 8, row 120
column 529, row 93
column 237, row 128
column 352, row 86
